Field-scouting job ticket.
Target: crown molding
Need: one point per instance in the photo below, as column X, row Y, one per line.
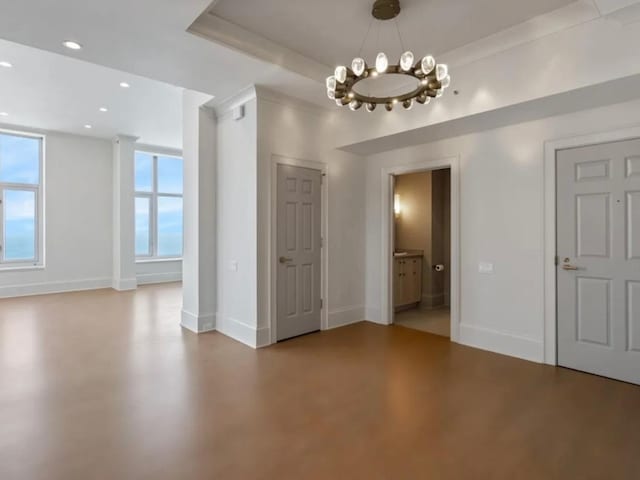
column 213, row 28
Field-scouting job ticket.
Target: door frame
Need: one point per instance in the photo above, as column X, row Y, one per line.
column 551, row 148
column 388, row 174
column 273, row 251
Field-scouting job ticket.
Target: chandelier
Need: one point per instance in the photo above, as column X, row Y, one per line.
column 431, row 78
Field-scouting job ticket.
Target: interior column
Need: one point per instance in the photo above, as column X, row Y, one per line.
column 124, row 259
column 198, row 263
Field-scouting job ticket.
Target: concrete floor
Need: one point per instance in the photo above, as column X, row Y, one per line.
column 436, row 320
column 106, row 385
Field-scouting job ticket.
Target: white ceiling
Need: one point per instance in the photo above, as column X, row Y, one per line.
column 332, row 31
column 144, row 37
column 54, row 92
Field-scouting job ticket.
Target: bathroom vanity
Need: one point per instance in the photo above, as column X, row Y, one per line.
column 407, row 279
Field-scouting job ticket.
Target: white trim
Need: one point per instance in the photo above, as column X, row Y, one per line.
column 550, row 149
column 502, row 342
column 226, row 106
column 124, row 284
column 198, row 323
column 273, row 253
column 45, row 288
column 341, row 317
column 386, row 307
column 158, row 150
column 163, row 277
column 243, row 333
column 158, row 260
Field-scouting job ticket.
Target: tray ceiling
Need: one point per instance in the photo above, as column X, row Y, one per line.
column 331, row 31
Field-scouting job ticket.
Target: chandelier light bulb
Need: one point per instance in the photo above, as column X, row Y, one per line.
column 439, row 93
column 446, row 81
column 370, row 107
column 358, row 65
column 382, row 63
column 442, row 71
column 389, row 106
column 355, row 105
column 428, row 64
column 406, row 61
column 341, row 74
column 331, row 94
column 331, row 83
column 408, row 104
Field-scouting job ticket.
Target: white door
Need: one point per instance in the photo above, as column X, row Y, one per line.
column 299, row 251
column 598, row 228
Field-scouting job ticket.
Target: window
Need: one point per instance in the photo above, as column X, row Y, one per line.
column 158, row 206
column 20, row 200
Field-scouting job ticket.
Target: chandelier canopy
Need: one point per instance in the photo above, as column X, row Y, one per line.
column 432, row 78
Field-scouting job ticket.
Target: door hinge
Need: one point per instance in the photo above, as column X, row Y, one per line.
column 321, row 242
column 321, row 304
column 556, row 260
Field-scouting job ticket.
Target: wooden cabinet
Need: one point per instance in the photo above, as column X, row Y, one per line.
column 407, row 281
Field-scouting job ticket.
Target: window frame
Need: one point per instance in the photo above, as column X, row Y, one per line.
column 152, row 198
column 38, row 190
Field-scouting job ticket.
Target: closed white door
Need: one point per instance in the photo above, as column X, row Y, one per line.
column 299, row 251
column 598, row 276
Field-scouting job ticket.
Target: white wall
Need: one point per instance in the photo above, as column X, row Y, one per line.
column 501, row 183
column 236, row 223
column 296, row 131
column 159, row 271
column 78, row 228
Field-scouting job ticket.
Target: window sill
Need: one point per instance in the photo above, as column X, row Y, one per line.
column 158, row 260
column 20, row 268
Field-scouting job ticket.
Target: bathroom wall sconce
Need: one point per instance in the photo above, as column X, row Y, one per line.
column 397, row 207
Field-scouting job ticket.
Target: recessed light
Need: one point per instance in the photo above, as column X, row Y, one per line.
column 6, row 64
column 124, row 85
column 103, row 109
column 87, row 126
column 4, row 114
column 70, row 44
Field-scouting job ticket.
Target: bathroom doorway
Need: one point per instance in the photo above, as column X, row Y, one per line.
column 422, row 251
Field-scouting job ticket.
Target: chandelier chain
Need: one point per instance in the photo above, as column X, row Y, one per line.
column 365, row 38
column 404, row 49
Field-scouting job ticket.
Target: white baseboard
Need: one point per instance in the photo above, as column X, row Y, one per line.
column 165, row 277
column 198, row 323
column 54, row 287
column 124, row 284
column 502, row 342
column 373, row 315
column 242, row 332
column 340, row 317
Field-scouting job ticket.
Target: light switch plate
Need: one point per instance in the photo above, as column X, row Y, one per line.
column 485, row 267
column 233, row 266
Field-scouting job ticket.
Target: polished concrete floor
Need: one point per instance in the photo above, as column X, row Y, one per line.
column 434, row 320
column 105, row 385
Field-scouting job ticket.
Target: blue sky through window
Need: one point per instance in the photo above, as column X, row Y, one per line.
column 169, row 175
column 169, row 226
column 19, row 178
column 19, row 225
column 143, row 226
column 143, row 172
column 158, row 181
column 19, row 159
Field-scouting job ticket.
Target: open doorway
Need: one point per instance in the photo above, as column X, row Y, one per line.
column 422, row 251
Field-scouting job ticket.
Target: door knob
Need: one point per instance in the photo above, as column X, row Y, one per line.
column 567, row 266
column 285, row 260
